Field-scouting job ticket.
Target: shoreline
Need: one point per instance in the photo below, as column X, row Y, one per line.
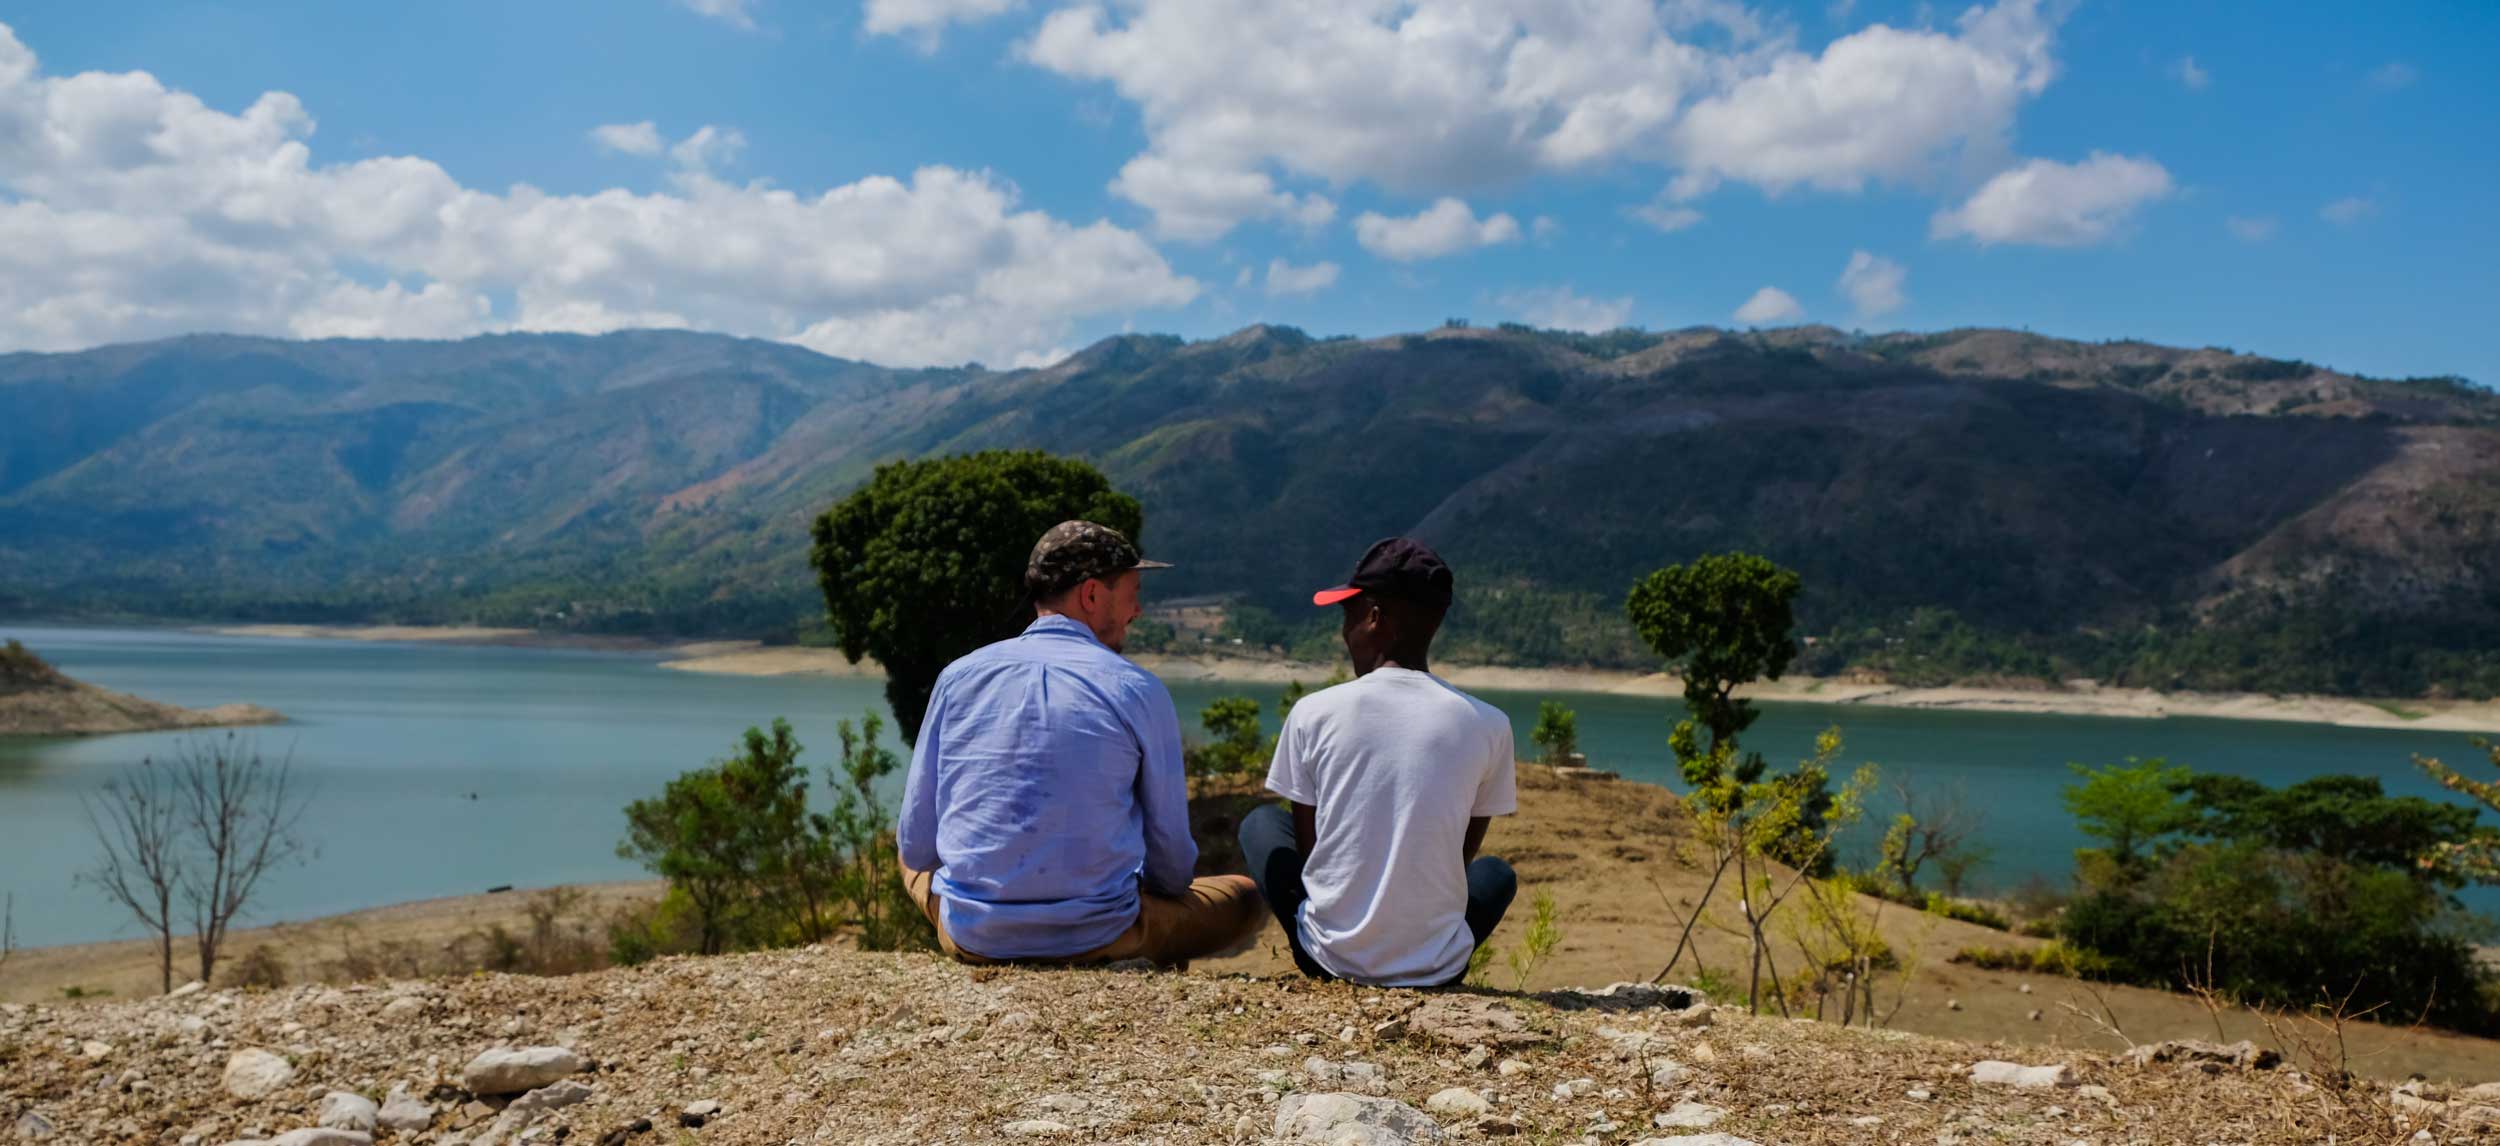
column 751, row 658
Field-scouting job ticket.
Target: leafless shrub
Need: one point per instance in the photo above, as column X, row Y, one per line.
column 203, row 828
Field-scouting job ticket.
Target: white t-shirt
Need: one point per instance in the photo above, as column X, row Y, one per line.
column 1396, row 762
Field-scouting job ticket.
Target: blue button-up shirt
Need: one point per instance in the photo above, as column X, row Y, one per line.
column 1046, row 783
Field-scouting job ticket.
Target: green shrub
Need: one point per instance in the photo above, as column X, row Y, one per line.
column 2047, row 959
column 1967, row 911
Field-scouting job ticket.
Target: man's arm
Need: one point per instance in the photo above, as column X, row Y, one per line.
column 1163, row 793
column 1305, row 829
column 915, row 828
column 1475, row 835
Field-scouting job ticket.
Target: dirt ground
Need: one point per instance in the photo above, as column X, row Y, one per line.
column 1614, row 856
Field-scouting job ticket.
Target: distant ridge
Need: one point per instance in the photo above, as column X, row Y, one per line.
column 1967, row 504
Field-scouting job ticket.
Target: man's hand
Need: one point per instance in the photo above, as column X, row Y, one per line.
column 1475, row 835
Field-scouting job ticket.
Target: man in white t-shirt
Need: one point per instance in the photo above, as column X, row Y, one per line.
column 1393, row 778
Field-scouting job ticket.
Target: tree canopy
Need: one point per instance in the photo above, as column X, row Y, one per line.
column 926, row 562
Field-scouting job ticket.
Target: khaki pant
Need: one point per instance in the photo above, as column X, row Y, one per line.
column 1216, row 913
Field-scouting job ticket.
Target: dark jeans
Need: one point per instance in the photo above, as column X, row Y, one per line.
column 1276, row 865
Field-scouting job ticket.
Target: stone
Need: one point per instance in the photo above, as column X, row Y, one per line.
column 1629, row 997
column 1576, row 1088
column 256, row 1073
column 1953, row 1004
column 1467, row 1020
column 1511, row 1068
column 2035, row 1015
column 1995, row 1073
column 92, row 1049
column 1664, row 1073
column 1689, row 1116
column 404, row 1112
column 343, row 1111
column 1476, row 1057
column 1353, row 1120
column 515, row 1071
column 1038, row 1128
column 2241, row 1055
column 553, row 1096
column 33, row 1127
column 1063, row 1103
column 1391, row 1029
column 1921, row 1094
column 1712, row 1139
column 187, row 990
column 403, row 1008
column 1458, row 1102
column 322, row 1136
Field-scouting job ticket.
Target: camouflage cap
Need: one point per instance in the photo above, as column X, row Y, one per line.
column 1074, row 551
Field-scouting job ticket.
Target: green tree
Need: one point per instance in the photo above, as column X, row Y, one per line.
column 1238, row 746
column 2130, row 807
column 1296, row 690
column 1721, row 622
column 2477, row 858
column 731, row 836
column 1557, row 733
column 852, row 847
column 926, row 562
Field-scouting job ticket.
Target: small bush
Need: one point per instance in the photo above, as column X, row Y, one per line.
column 261, row 968
column 2046, row 959
column 1967, row 911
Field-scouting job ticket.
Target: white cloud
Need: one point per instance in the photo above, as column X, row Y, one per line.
column 1545, row 227
column 1770, row 306
column 735, row 13
column 2349, row 210
column 627, row 138
column 923, row 20
column 1874, row 284
column 1445, row 96
column 1666, row 217
column 2393, row 75
column 129, row 210
column 1558, row 308
column 1284, row 278
column 2251, row 228
column 1199, row 205
column 2054, row 204
column 1445, row 228
column 708, row 148
column 2190, row 76
column 1879, row 104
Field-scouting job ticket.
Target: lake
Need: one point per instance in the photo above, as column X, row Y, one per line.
column 445, row 770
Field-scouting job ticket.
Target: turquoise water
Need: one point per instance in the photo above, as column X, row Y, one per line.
column 445, row 770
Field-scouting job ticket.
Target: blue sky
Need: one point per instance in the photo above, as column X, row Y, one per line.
column 930, row 181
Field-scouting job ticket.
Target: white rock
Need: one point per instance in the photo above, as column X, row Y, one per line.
column 553, row 1096
column 704, row 1109
column 404, row 1112
column 1663, row 1073
column 1689, row 1116
column 514, row 1071
column 1576, row 1088
column 1353, row 1120
column 187, row 990
column 1458, row 1102
column 343, row 1111
column 256, row 1073
column 94, row 1050
column 1512, row 1068
column 1713, row 1139
column 33, row 1127
column 1038, row 1128
column 320, row 1136
column 403, row 1008
column 1921, row 1094
column 1995, row 1073
column 1063, row 1103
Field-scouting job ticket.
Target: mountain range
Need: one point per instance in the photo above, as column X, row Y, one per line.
column 1968, row 504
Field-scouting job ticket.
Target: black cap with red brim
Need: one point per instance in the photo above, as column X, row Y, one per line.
column 1398, row 567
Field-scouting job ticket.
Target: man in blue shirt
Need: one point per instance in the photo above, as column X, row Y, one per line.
column 1046, row 816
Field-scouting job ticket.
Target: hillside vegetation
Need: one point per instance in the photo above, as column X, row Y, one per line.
column 1978, row 504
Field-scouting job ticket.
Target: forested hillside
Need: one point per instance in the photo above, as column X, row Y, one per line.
column 1969, row 504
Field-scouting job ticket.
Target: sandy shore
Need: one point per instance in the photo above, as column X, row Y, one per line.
column 749, row 658
column 2422, row 715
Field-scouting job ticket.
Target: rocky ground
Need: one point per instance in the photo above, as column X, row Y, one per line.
column 828, row 1045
